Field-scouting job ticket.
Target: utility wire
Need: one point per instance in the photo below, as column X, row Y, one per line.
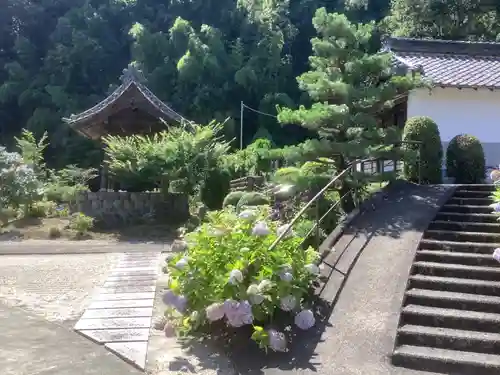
column 257, row 111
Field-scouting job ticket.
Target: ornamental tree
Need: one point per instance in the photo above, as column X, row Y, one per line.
column 350, row 86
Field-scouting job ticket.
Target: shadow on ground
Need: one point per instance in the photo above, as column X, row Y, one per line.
column 390, row 217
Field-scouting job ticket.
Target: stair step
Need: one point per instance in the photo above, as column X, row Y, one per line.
column 456, row 270
column 477, row 187
column 472, row 194
column 464, row 226
column 473, row 247
column 446, row 338
column 451, row 235
column 461, row 216
column 453, row 300
column 450, row 318
column 467, row 208
column 446, row 361
column 483, row 201
column 443, row 256
column 455, row 284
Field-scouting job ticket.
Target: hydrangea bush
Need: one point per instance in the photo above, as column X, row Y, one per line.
column 225, row 273
column 18, row 181
column 495, row 207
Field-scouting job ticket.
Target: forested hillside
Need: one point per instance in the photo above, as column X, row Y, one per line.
column 203, row 57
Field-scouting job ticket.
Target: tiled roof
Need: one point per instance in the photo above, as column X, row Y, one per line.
column 449, row 63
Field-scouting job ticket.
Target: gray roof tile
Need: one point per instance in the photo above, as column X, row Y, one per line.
column 450, row 63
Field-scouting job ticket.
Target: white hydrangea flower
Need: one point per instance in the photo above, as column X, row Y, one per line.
column 496, row 254
column 288, row 303
column 215, row 312
column 244, row 250
column 254, row 295
column 247, row 215
column 305, row 319
column 265, row 286
column 286, row 276
column 495, row 206
column 260, row 229
column 179, row 246
column 312, row 269
column 277, row 340
column 285, row 228
column 169, row 257
column 235, row 277
column 181, row 263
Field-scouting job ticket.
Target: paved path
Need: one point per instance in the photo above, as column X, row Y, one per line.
column 120, row 315
column 31, row 345
column 43, row 295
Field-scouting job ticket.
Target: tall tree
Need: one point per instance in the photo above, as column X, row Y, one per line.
column 444, row 19
column 350, row 86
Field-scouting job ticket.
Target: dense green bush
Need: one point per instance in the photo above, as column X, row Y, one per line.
column 233, row 198
column 423, row 129
column 465, row 159
column 252, row 199
column 214, row 188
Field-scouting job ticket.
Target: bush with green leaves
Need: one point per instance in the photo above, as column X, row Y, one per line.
column 226, row 273
column 81, row 223
column 214, row 188
column 423, row 129
column 252, row 198
column 233, row 198
column 465, row 160
column 179, row 153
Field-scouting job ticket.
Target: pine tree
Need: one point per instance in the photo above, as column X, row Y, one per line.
column 350, row 85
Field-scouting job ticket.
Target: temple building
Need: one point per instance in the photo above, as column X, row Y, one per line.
column 131, row 109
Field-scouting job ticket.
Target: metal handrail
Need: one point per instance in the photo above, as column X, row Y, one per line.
column 313, row 200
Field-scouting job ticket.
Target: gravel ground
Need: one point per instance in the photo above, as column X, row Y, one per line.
column 55, row 287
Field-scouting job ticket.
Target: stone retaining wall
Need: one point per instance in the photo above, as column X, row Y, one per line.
column 113, row 208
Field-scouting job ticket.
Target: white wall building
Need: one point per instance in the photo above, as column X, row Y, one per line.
column 465, row 97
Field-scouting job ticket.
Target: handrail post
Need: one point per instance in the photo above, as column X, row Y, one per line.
column 317, row 224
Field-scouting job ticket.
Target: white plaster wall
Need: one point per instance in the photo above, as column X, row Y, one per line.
column 475, row 112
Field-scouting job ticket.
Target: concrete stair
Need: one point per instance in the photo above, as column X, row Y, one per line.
column 450, row 319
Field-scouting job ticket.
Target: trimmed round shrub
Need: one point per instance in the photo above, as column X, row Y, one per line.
column 465, row 160
column 214, row 188
column 425, row 130
column 233, row 198
column 252, row 199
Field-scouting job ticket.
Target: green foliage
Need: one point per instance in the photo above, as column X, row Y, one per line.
column 179, row 153
column 310, row 176
column 81, row 223
column 214, row 188
column 227, row 273
column 425, row 130
column 233, row 198
column 19, row 184
column 453, row 19
column 252, row 198
column 350, row 85
column 465, row 160
column 41, row 208
column 32, row 150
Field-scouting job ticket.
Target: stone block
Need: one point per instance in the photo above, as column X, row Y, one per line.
column 111, row 323
column 133, row 312
column 116, row 335
column 124, row 296
column 132, row 352
column 121, row 303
